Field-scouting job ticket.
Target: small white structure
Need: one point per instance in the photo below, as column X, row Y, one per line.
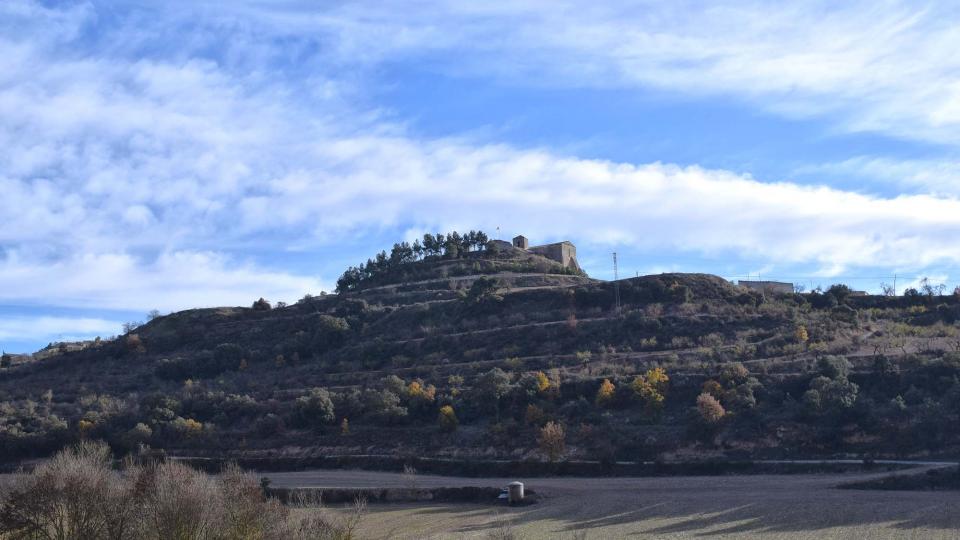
column 516, row 492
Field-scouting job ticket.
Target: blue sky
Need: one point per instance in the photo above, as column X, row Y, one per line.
column 179, row 154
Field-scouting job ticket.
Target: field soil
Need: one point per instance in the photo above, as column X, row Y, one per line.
column 767, row 506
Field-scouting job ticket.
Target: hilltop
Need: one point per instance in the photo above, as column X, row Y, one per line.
column 491, row 351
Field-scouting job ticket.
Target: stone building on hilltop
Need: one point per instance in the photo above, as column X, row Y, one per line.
column 564, row 252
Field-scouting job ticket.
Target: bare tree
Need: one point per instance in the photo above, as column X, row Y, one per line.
column 552, row 440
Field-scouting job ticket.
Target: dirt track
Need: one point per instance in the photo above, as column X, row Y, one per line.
column 789, row 506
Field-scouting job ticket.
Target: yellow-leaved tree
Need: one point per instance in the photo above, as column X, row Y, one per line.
column 605, row 393
column 448, row 419
column 801, row 334
column 651, row 388
column 543, row 383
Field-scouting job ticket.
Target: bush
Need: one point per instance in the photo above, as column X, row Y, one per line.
column 711, row 411
column 78, row 495
column 134, row 344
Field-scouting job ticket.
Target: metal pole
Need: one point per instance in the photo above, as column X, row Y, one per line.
column 616, row 283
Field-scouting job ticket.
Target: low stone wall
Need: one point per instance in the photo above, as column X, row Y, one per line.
column 528, row 469
column 483, row 495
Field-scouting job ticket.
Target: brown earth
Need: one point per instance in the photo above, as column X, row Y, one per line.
column 767, row 506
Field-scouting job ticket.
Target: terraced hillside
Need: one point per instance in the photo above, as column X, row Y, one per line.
column 502, row 353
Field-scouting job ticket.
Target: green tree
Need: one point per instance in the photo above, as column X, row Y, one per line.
column 492, row 386
column 484, row 289
column 315, row 409
column 834, row 367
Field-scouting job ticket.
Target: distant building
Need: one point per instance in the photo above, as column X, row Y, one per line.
column 564, row 252
column 777, row 287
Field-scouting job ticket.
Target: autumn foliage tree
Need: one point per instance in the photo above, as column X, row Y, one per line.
column 801, row 335
column 651, row 388
column 710, row 410
column 605, row 393
column 448, row 419
column 543, row 383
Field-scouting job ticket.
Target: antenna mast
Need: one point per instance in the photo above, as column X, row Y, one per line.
column 616, row 284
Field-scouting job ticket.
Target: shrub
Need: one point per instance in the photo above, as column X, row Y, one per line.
column 711, row 411
column 712, row 387
column 533, row 415
column 734, row 373
column 262, row 305
column 77, row 494
column 74, row 495
column 134, row 344
column 269, row 425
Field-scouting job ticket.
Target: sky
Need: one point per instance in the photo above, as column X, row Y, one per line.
column 176, row 154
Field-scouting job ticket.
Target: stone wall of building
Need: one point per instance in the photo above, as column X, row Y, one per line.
column 779, row 287
column 564, row 253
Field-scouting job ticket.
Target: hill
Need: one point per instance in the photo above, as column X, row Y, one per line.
column 487, row 352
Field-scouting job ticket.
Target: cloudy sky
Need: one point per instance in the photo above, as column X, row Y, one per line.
column 176, row 154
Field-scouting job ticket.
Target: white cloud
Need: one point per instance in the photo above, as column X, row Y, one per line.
column 934, row 176
column 171, row 281
column 650, row 207
column 130, row 178
column 46, row 328
column 878, row 66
